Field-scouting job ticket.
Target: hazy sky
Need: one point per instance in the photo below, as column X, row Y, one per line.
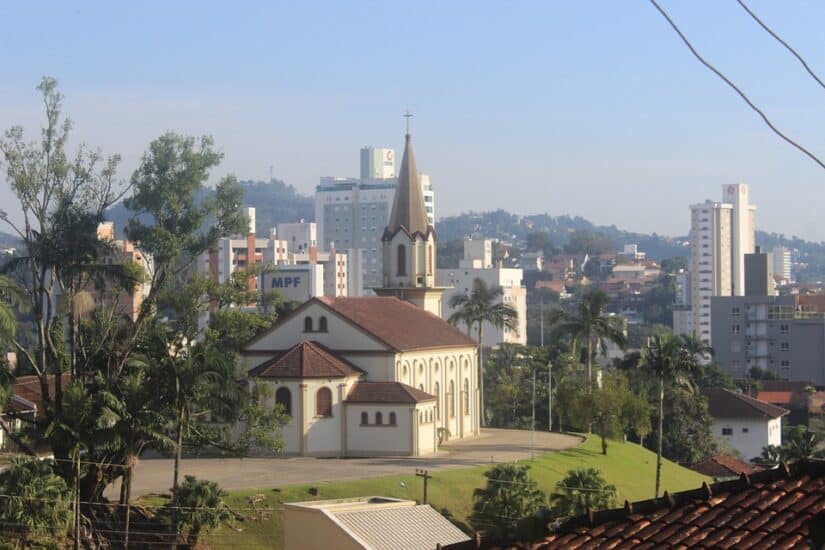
column 585, row 108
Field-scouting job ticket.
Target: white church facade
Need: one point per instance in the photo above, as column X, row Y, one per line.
column 381, row 375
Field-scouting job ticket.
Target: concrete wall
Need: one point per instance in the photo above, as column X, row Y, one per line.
column 314, row 530
column 372, row 439
column 749, row 436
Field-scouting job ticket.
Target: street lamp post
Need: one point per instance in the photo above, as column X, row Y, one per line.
column 549, row 396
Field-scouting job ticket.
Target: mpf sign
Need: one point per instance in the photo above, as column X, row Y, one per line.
column 287, row 281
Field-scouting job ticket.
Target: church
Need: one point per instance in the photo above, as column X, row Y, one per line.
column 381, row 375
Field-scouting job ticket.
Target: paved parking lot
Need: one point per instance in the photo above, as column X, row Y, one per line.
column 493, row 445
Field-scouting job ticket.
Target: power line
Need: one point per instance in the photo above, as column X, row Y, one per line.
column 735, row 88
column 779, row 39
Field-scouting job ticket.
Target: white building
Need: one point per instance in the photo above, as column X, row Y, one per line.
column 353, row 212
column 782, row 263
column 477, row 264
column 745, row 423
column 721, row 233
column 682, row 313
column 300, row 236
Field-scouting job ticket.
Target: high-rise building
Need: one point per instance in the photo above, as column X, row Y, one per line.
column 721, row 233
column 353, row 212
column 782, row 263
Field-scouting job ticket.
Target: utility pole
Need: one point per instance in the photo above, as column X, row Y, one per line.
column 533, row 451
column 549, row 396
column 426, row 475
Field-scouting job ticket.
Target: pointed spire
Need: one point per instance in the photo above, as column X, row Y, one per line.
column 408, row 209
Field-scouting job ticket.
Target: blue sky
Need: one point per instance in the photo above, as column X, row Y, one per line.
column 584, row 108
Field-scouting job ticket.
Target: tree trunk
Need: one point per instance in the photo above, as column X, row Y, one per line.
column 176, row 476
column 589, row 363
column 661, row 435
column 604, row 444
column 482, row 419
column 127, row 479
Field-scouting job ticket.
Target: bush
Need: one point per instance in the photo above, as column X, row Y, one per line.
column 40, row 501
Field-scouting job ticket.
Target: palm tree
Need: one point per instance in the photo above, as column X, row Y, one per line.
column 697, row 347
column 581, row 490
column 482, row 304
column 41, row 499
column 589, row 323
column 666, row 358
column 11, row 299
column 509, row 496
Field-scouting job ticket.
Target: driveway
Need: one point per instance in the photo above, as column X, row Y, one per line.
column 154, row 475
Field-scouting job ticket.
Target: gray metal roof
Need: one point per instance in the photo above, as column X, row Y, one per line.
column 407, row 528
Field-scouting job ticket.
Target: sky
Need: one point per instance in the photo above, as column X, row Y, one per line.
column 592, row 109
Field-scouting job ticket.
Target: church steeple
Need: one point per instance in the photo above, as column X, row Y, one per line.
column 410, row 242
column 408, row 210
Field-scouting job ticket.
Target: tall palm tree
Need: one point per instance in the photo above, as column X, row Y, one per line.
column 666, row 358
column 482, row 304
column 697, row 347
column 11, row 299
column 590, row 323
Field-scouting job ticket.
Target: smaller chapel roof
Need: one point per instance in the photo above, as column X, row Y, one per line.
column 306, row 359
column 386, row 392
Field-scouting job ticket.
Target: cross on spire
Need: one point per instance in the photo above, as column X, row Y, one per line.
column 408, row 116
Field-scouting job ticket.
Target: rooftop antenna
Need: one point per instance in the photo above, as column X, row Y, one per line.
column 408, row 116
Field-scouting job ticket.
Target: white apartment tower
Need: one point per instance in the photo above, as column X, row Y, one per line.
column 782, row 263
column 721, row 233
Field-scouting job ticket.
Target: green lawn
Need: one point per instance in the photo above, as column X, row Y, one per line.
column 628, row 466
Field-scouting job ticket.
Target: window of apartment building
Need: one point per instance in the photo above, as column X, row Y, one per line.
column 735, row 329
column 744, row 430
column 785, row 364
column 784, row 346
column 735, row 364
column 727, row 431
column 736, row 311
column 784, row 328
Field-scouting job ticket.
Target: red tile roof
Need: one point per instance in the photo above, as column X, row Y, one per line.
column 770, row 509
column 723, row 466
column 28, row 387
column 306, row 360
column 724, row 403
column 776, row 397
column 386, row 392
column 398, row 323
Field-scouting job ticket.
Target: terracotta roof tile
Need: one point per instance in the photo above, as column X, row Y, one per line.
column 306, row 360
column 722, row 466
column 386, row 392
column 398, row 323
column 724, row 403
column 768, row 509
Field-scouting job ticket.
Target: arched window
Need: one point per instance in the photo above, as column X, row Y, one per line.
column 466, row 396
column 437, row 402
column 322, row 324
column 393, row 421
column 379, row 418
column 451, row 400
column 365, row 418
column 323, row 402
column 283, row 397
column 402, row 261
column 307, row 324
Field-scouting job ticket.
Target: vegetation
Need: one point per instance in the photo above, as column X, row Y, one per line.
column 41, row 502
column 114, row 383
column 581, row 490
column 481, row 305
column 509, row 498
column 201, row 507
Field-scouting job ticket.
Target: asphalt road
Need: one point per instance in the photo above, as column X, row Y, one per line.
column 493, row 445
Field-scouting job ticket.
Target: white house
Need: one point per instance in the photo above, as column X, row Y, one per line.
column 747, row 424
column 368, row 376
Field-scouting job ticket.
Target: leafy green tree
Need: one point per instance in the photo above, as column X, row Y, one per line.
column 581, row 490
column 482, row 304
column 635, row 415
column 590, row 324
column 666, row 358
column 201, row 507
column 770, row 456
column 509, row 497
column 687, row 436
column 699, row 349
column 39, row 501
column 800, row 443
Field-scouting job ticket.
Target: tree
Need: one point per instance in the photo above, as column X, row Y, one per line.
column 590, row 324
column 509, row 497
column 39, row 500
column 580, row 491
column 800, row 443
column 687, row 436
column 482, row 305
column 635, row 416
column 201, row 507
column 666, row 358
column 699, row 349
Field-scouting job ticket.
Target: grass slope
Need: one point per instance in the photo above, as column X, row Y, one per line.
column 627, row 465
